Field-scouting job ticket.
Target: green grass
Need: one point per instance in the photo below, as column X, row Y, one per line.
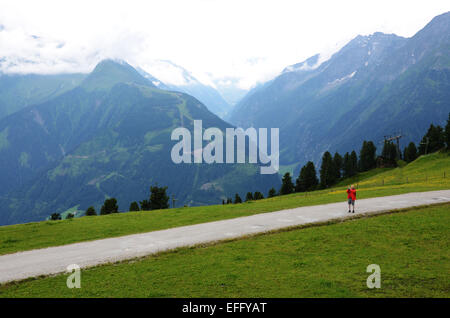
column 425, row 174
column 411, row 248
column 433, row 169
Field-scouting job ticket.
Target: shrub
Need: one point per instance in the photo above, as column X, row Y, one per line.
column 258, row 196
column 134, row 206
column 55, row 216
column 272, row 193
column 109, row 206
column 91, row 211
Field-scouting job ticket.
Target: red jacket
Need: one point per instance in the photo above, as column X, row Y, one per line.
column 351, row 194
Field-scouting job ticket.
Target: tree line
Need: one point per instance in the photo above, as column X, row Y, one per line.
column 335, row 168
column 158, row 200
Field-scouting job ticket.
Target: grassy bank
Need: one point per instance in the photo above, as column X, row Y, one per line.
column 410, row 247
column 424, row 174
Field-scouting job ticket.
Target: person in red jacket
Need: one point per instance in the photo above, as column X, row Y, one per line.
column 351, row 197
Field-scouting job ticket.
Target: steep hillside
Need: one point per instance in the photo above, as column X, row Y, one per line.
column 108, row 137
column 374, row 86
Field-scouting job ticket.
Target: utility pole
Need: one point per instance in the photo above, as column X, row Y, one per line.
column 397, row 139
column 173, row 201
column 426, row 144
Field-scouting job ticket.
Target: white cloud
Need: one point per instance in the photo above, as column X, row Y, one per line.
column 249, row 40
column 167, row 72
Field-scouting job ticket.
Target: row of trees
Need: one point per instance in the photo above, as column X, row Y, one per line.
column 435, row 139
column 337, row 167
column 249, row 197
column 334, row 168
column 158, row 200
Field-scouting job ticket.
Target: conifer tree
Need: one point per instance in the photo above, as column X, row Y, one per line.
column 158, row 198
column 134, row 206
column 367, row 156
column 258, row 196
column 287, row 186
column 433, row 140
column 338, row 162
column 307, row 180
column 145, row 205
column 389, row 153
column 346, row 166
column 327, row 171
column 91, row 211
column 353, row 164
column 272, row 193
column 109, row 206
column 410, row 153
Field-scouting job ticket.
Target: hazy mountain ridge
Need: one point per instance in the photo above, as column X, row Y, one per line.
column 374, row 85
column 171, row 76
column 20, row 90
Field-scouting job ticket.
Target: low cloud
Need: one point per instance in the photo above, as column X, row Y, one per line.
column 251, row 41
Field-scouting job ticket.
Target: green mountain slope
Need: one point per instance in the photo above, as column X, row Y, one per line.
column 109, row 137
column 18, row 91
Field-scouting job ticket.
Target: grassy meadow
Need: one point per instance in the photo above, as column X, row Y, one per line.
column 424, row 174
column 411, row 248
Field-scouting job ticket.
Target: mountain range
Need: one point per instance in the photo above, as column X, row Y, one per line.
column 170, row 76
column 376, row 85
column 108, row 137
column 68, row 141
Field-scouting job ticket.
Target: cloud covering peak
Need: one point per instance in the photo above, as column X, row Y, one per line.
column 249, row 41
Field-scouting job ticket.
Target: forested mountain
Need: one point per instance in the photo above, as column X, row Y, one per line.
column 374, row 86
column 110, row 136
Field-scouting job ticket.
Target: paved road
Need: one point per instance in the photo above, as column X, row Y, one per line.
column 54, row 260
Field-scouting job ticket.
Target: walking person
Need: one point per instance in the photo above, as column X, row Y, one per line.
column 351, row 198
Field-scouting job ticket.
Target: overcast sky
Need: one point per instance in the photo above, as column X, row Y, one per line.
column 250, row 40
